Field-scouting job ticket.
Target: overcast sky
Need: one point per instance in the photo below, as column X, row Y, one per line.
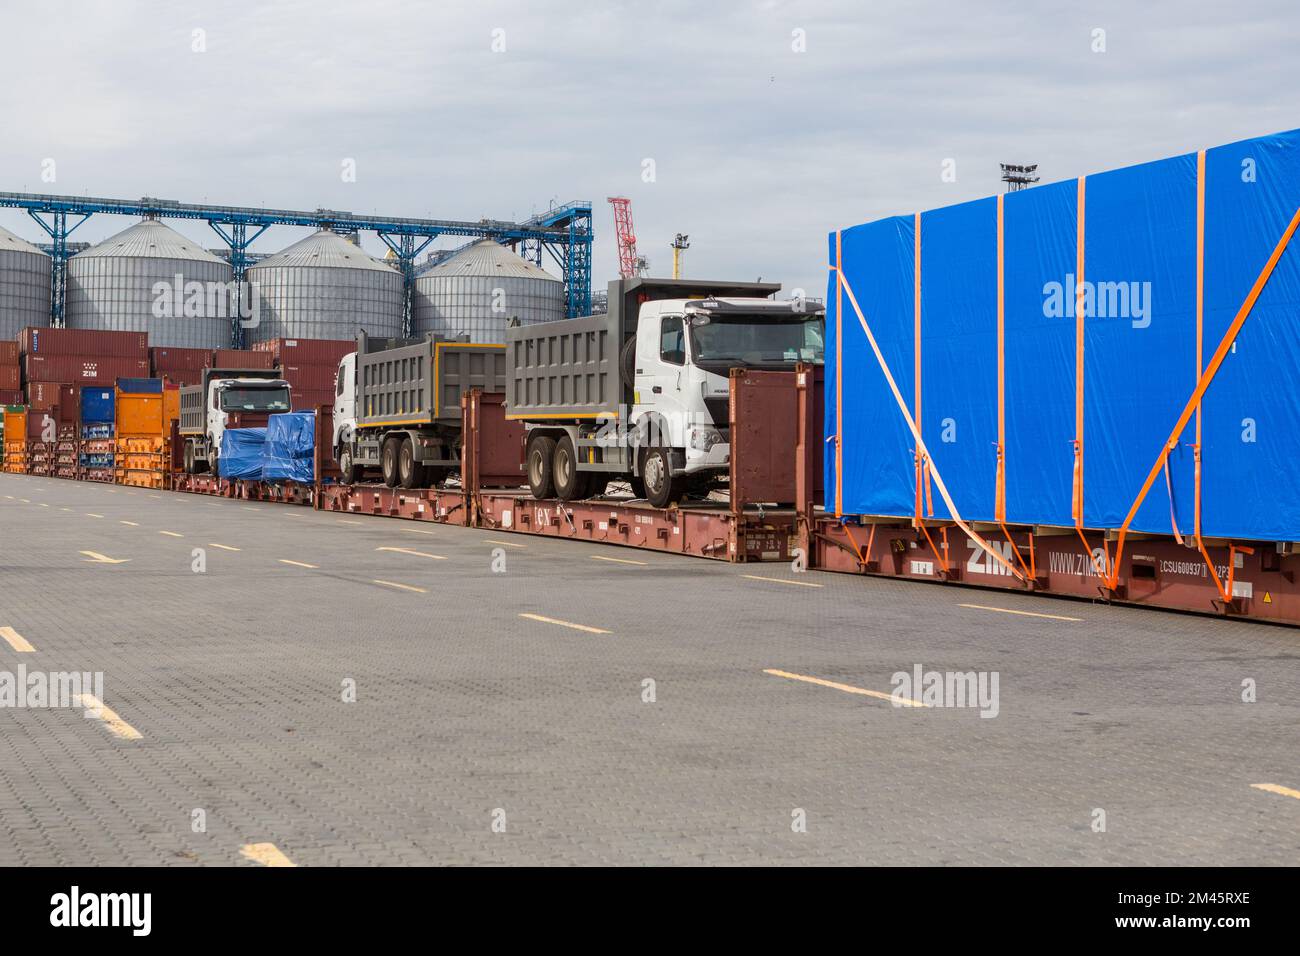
column 768, row 123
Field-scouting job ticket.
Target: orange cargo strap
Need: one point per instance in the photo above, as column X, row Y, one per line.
column 995, row 553
column 1203, row 382
column 839, row 383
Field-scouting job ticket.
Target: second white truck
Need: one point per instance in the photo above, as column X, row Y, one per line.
column 642, row 393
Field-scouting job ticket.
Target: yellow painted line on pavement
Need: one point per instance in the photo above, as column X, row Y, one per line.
column 802, row 584
column 1269, row 787
column 92, row 515
column 576, row 627
column 847, row 688
column 419, row 531
column 94, row 557
column 508, row 544
column 10, row 497
column 349, row 521
column 133, row 524
column 223, row 547
column 109, row 718
column 65, row 509
column 43, row 504
column 172, row 534
column 25, row 501
column 418, row 554
column 299, row 564
column 601, row 557
column 16, row 640
column 267, row 854
column 394, row 584
column 1007, row 610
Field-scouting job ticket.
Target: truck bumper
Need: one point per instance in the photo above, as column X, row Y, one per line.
column 717, row 458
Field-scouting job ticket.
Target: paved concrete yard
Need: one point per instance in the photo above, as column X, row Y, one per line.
column 479, row 707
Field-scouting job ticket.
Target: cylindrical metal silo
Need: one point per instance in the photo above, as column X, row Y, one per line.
column 479, row 289
column 129, row 283
column 324, row 287
column 24, row 285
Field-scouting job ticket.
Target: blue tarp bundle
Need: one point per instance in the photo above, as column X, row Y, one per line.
column 241, row 452
column 290, row 447
column 1077, row 449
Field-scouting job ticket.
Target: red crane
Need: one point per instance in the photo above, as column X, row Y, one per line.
column 629, row 264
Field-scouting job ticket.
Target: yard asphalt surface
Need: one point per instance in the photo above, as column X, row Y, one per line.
column 283, row 686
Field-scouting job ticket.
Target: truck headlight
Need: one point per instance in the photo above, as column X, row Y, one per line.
column 702, row 439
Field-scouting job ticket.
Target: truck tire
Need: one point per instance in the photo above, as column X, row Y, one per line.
column 570, row 483
column 189, row 458
column 410, row 473
column 214, row 465
column 661, row 488
column 348, row 467
column 541, row 455
column 388, row 460
column 627, row 363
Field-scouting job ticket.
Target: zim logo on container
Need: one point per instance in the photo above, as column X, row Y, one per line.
column 133, row 910
column 983, row 563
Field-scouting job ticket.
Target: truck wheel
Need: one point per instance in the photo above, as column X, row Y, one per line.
column 661, row 488
column 627, row 363
column 348, row 467
column 388, row 461
column 410, row 473
column 541, row 454
column 214, row 466
column 569, row 482
column 189, row 459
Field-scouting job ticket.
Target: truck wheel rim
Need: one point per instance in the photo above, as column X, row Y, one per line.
column 653, row 472
column 535, row 467
column 562, row 469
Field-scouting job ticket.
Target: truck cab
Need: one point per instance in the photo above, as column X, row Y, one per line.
column 234, row 398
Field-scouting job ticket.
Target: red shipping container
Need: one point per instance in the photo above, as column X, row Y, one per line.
column 305, row 400
column 318, row 378
column 307, row 351
column 11, row 396
column 175, row 360
column 72, row 342
column 180, row 376
column 241, row 358
column 84, row 370
column 8, row 353
column 10, row 377
column 43, row 395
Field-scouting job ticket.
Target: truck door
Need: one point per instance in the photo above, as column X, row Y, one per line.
column 663, row 363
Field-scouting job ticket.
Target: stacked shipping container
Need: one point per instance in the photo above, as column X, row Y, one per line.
column 143, row 412
column 309, row 366
column 95, row 444
column 10, row 375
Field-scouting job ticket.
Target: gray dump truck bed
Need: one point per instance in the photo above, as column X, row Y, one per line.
column 570, row 369
column 420, row 382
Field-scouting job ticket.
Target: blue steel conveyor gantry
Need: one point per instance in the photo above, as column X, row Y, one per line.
column 565, row 232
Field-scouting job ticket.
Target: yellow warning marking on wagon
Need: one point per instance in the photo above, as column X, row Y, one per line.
column 267, row 854
column 1268, row 598
column 299, row 564
column 223, row 547
column 94, row 557
column 576, row 627
column 802, row 584
column 418, row 554
column 1278, row 789
column 847, row 688
column 108, row 717
column 601, row 557
column 16, row 640
column 394, row 584
column 1007, row 610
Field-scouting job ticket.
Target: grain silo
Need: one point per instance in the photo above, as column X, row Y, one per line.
column 129, row 283
column 24, row 286
column 324, row 287
column 479, row 289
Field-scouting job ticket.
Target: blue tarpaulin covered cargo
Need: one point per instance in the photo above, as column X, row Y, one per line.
column 1064, row 354
column 241, row 452
column 290, row 447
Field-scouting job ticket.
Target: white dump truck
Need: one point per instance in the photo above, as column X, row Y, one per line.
column 227, row 398
column 643, row 392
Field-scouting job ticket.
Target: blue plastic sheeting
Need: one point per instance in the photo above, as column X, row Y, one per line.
column 290, row 447
column 97, row 404
column 1140, row 329
column 241, row 452
column 140, row 386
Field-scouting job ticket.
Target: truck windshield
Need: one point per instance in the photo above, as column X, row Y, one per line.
column 255, row 400
column 758, row 340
